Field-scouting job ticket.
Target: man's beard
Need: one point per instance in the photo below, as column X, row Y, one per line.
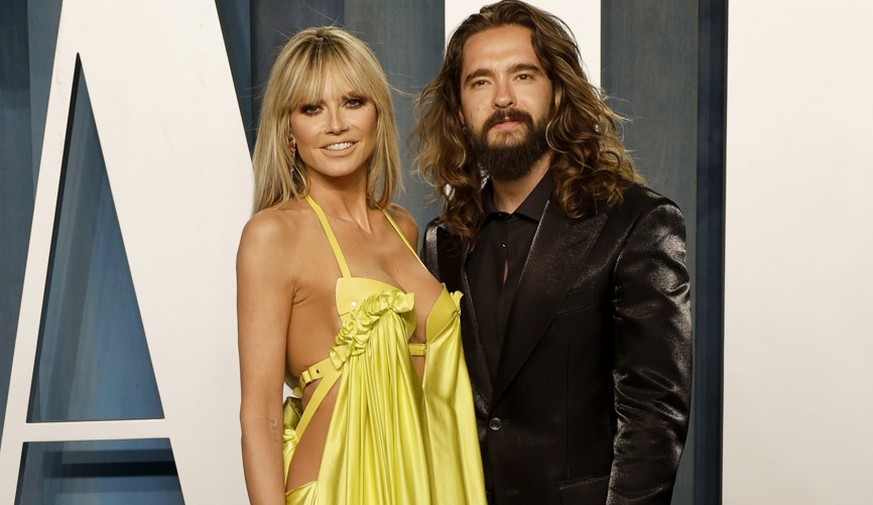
column 509, row 161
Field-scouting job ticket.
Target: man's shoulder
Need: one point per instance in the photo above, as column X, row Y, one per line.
column 440, row 247
column 639, row 199
column 431, row 230
column 643, row 210
column 639, row 204
column 438, row 234
column 434, row 224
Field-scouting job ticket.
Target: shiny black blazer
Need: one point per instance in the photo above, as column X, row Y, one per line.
column 591, row 398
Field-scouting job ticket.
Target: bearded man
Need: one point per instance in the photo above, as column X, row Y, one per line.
column 576, row 315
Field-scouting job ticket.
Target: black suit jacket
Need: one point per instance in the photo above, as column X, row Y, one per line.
column 591, row 398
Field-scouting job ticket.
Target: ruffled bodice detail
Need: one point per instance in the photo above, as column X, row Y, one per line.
column 358, row 322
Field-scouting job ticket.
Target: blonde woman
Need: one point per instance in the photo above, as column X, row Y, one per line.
column 333, row 300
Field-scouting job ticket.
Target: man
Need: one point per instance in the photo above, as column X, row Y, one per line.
column 576, row 318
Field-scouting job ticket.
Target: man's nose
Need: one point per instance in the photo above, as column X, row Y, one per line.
column 503, row 95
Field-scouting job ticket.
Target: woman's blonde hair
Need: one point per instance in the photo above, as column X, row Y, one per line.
column 298, row 77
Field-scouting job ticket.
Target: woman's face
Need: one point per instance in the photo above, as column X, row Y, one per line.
column 337, row 135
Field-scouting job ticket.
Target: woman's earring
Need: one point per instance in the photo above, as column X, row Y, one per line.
column 292, row 147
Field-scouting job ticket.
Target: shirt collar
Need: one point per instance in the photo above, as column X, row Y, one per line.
column 532, row 207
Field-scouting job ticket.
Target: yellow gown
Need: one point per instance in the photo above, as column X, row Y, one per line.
column 392, row 439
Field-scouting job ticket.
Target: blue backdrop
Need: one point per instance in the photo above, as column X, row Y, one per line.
column 665, row 60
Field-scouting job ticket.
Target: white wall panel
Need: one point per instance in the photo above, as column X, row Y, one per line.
column 176, row 156
column 798, row 384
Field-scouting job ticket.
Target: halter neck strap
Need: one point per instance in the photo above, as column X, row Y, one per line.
column 402, row 236
column 331, row 237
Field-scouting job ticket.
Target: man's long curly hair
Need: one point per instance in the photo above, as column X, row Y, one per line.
column 588, row 157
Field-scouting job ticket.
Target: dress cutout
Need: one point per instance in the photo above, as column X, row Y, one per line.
column 388, row 428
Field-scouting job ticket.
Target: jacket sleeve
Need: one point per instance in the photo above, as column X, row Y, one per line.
column 652, row 368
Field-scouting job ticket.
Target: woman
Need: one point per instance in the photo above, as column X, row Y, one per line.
column 326, row 275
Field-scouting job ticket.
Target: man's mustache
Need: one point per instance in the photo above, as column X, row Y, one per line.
column 501, row 116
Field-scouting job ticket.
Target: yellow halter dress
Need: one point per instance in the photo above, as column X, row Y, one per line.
column 392, row 439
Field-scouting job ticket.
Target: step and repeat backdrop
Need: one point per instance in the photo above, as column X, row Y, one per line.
column 125, row 180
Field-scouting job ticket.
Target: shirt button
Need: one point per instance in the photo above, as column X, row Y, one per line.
column 495, row 424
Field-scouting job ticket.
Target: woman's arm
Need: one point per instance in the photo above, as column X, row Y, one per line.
column 264, row 295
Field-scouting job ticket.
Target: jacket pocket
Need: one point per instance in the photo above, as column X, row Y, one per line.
column 579, row 299
column 584, row 490
column 510, row 497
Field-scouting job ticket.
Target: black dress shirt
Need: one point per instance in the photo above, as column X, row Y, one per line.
column 495, row 266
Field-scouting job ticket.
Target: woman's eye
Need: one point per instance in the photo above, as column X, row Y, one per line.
column 356, row 102
column 310, row 110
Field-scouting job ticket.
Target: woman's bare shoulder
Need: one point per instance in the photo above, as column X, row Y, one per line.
column 272, row 233
column 405, row 221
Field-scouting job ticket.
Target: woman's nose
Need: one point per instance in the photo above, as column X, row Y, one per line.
column 336, row 121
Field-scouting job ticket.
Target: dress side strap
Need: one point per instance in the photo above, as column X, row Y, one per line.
column 334, row 244
column 402, row 236
column 328, row 373
column 316, row 371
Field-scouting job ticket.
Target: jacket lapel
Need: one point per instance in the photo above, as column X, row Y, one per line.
column 555, row 261
column 452, row 258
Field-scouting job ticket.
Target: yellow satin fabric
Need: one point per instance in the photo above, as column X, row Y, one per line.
column 394, row 439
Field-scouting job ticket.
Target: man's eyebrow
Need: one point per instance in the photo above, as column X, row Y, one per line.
column 514, row 69
column 526, row 67
column 480, row 72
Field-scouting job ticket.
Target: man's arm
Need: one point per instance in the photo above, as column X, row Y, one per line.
column 652, row 370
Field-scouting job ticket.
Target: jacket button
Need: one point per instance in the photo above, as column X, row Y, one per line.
column 495, row 424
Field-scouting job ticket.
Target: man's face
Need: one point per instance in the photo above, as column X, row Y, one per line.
column 506, row 100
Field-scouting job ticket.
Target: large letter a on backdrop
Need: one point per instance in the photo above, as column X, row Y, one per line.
column 178, row 179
